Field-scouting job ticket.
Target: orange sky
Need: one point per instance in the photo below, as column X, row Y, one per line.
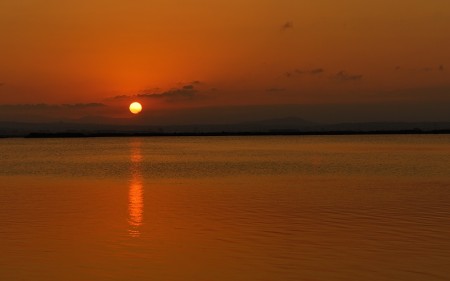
column 197, row 53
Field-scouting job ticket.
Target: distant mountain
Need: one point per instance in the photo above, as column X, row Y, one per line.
column 385, row 126
column 280, row 125
column 19, row 129
column 288, row 123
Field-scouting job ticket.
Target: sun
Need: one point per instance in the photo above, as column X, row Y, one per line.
column 135, row 108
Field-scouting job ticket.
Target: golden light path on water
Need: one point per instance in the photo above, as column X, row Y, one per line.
column 136, row 192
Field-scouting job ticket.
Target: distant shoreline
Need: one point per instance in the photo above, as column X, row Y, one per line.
column 37, row 135
column 289, row 126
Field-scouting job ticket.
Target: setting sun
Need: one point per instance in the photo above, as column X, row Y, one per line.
column 135, row 108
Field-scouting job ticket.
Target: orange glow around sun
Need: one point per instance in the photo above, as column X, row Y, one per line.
column 135, row 108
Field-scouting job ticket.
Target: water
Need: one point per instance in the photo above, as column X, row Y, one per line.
column 225, row 208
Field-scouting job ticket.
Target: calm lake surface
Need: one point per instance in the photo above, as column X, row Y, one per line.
column 226, row 208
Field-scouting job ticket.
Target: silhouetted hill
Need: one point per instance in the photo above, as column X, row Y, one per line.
column 385, row 126
column 280, row 124
column 289, row 125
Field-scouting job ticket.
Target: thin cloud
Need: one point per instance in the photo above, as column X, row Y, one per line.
column 188, row 87
column 45, row 106
column 344, row 76
column 83, row 105
column 312, row 72
column 317, row 71
column 287, row 26
column 424, row 69
column 182, row 84
column 121, row 97
column 185, row 93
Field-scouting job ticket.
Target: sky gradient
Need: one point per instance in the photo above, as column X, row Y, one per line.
column 70, row 59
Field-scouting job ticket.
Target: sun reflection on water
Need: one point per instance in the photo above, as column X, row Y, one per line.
column 136, row 192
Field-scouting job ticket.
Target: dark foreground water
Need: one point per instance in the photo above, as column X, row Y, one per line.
column 226, row 208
